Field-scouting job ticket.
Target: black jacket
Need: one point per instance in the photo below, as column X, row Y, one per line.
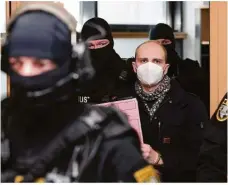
column 45, row 143
column 212, row 165
column 193, row 79
column 106, row 86
column 175, row 131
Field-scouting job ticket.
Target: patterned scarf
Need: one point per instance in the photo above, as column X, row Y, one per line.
column 158, row 95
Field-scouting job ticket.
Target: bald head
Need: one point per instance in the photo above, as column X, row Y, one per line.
column 151, row 51
column 152, row 47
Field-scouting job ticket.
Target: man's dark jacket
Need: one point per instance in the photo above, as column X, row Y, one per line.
column 175, row 131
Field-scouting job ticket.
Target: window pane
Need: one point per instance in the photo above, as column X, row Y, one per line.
column 132, row 12
column 74, row 8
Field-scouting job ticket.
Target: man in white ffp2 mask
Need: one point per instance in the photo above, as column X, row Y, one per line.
column 171, row 119
column 152, row 68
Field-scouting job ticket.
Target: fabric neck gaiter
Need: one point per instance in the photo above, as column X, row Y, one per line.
column 101, row 58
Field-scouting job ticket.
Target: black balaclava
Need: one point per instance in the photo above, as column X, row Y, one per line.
column 164, row 31
column 43, row 36
column 106, row 62
column 105, row 57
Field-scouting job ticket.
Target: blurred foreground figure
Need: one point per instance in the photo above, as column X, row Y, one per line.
column 107, row 63
column 213, row 154
column 187, row 72
column 46, row 135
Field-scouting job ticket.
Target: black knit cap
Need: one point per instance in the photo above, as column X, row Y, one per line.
column 88, row 30
column 162, row 31
column 41, row 35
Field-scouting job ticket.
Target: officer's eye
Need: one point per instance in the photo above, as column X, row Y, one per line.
column 39, row 63
column 103, row 43
column 91, row 46
column 42, row 62
column 14, row 62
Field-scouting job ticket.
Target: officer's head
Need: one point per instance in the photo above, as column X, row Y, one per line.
column 88, row 32
column 101, row 49
column 37, row 44
column 40, row 54
column 150, row 63
column 164, row 35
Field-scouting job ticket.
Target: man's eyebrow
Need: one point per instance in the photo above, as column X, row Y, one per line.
column 157, row 58
column 102, row 41
column 142, row 58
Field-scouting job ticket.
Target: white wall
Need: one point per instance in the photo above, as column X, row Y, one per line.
column 125, row 47
column 2, row 29
column 74, row 8
column 189, row 27
column 131, row 12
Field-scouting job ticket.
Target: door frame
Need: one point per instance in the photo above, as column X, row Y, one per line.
column 218, row 53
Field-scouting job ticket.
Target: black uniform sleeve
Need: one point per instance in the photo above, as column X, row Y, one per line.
column 5, row 144
column 122, row 162
column 212, row 165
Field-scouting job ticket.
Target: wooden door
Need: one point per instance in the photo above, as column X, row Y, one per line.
column 218, row 52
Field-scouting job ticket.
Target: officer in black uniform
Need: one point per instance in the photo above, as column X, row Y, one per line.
column 107, row 63
column 46, row 135
column 186, row 71
column 213, row 155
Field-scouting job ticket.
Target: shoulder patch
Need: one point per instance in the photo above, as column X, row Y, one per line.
column 222, row 112
column 146, row 174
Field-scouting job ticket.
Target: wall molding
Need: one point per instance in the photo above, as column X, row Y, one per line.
column 178, row 35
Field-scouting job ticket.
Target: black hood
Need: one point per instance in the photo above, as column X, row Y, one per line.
column 89, row 31
column 107, row 63
column 41, row 35
column 103, row 59
column 164, row 31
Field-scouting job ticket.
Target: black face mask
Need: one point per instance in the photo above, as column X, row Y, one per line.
column 39, row 82
column 101, row 58
column 24, row 89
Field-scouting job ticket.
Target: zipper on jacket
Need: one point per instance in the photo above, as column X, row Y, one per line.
column 159, row 122
column 159, row 131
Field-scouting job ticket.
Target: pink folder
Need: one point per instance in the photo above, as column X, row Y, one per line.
column 130, row 108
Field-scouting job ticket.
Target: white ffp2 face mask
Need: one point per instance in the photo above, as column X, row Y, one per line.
column 149, row 73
